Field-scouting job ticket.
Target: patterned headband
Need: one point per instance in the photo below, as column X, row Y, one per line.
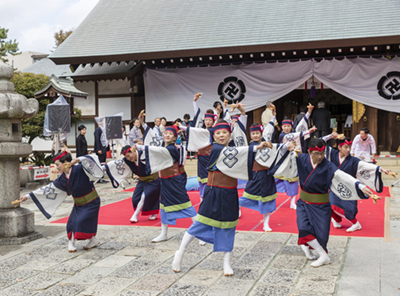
column 317, row 148
column 258, row 128
column 346, row 143
column 172, row 130
column 61, row 155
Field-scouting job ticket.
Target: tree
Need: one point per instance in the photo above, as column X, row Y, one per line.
column 61, row 36
column 7, row 47
column 27, row 84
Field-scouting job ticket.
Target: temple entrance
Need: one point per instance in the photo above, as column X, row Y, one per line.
column 347, row 116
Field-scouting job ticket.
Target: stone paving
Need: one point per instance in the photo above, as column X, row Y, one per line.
column 127, row 263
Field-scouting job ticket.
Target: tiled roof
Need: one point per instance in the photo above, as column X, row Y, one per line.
column 48, row 67
column 121, row 27
column 63, row 85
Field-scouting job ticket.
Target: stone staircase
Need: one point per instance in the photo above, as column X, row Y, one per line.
column 392, row 163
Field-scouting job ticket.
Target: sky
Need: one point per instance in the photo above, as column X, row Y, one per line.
column 33, row 23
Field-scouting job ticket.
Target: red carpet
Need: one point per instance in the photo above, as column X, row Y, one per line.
column 370, row 215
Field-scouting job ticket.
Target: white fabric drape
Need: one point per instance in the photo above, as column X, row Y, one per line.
column 358, row 79
column 169, row 92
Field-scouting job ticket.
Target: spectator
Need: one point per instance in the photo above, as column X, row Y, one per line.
column 121, row 143
column 100, row 145
column 299, row 117
column 135, row 135
column 267, row 115
column 363, row 145
column 218, row 109
column 156, row 129
column 186, row 122
column 163, row 125
column 321, row 119
column 81, row 144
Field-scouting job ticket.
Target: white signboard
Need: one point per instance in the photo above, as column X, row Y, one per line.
column 41, row 173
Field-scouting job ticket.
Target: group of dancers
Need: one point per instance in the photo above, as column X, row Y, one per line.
column 331, row 181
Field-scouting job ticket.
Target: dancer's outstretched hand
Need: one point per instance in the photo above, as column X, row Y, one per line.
column 290, row 146
column 367, row 192
column 75, row 161
column 197, row 96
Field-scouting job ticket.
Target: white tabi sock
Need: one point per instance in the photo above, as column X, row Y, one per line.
column 266, row 222
column 308, row 252
column 153, row 217
column 138, row 209
column 71, row 244
column 177, row 263
column 336, row 225
column 163, row 236
column 227, row 264
column 293, row 203
column 201, row 243
column 93, row 242
column 354, row 227
column 323, row 256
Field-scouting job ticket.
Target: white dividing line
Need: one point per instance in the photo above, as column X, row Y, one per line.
column 259, row 223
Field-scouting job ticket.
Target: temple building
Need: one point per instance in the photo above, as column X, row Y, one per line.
column 130, row 55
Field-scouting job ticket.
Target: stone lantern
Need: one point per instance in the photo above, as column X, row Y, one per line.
column 16, row 224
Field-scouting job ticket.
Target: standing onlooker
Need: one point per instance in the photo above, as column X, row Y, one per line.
column 135, row 135
column 363, row 145
column 156, row 128
column 163, row 125
column 321, row 119
column 175, row 124
column 218, row 109
column 81, row 144
column 266, row 118
column 267, row 115
column 299, row 117
column 186, row 122
column 100, row 142
column 121, row 143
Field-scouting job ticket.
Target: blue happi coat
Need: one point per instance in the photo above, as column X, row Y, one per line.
column 82, row 221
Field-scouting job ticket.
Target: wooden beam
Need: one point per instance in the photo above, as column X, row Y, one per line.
column 290, row 46
column 96, row 97
column 114, row 96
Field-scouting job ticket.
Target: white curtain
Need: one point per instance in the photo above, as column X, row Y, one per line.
column 169, row 92
column 358, row 79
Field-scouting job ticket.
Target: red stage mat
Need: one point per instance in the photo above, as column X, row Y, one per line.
column 370, row 215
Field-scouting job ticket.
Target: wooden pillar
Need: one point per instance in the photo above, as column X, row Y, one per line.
column 137, row 96
column 369, row 120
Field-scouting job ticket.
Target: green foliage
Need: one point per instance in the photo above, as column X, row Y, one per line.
column 7, row 47
column 61, row 36
column 40, row 159
column 27, row 84
column 76, row 116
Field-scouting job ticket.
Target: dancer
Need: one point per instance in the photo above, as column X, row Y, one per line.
column 203, row 153
column 368, row 174
column 260, row 193
column 169, row 161
column 75, row 180
column 239, row 123
column 317, row 175
column 291, row 186
column 218, row 213
column 146, row 197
